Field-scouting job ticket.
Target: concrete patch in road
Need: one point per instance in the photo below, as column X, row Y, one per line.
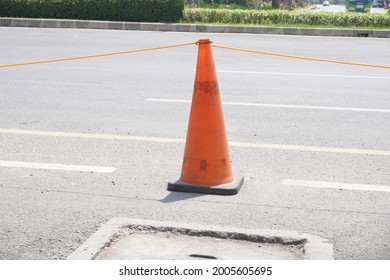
column 125, row 238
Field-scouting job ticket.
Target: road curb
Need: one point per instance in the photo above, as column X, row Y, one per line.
column 176, row 27
column 315, row 248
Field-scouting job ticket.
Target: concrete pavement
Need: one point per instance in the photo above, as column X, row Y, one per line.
column 132, row 239
column 207, row 28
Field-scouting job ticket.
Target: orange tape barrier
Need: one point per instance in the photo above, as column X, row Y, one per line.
column 95, row 55
column 303, row 57
column 192, row 43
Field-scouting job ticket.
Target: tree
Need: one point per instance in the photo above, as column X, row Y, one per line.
column 276, row 4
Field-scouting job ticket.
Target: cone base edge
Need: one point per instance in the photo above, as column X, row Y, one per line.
column 225, row 189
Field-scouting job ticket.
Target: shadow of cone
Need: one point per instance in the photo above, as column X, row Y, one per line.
column 206, row 165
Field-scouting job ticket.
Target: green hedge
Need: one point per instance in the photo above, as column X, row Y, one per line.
column 230, row 4
column 246, row 3
column 193, row 15
column 116, row 10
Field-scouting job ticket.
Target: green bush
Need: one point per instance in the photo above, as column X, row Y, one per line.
column 117, row 10
column 192, row 15
column 229, row 4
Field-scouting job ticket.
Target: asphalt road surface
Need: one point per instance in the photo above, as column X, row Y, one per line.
column 84, row 141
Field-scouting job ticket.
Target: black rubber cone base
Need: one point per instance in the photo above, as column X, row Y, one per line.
column 225, row 189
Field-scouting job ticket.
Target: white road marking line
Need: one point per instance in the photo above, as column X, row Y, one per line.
column 175, row 140
column 277, row 105
column 51, row 166
column 168, row 100
column 332, row 185
column 90, row 135
column 304, row 74
column 311, row 149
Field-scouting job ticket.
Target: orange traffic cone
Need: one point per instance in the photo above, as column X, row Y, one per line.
column 206, row 164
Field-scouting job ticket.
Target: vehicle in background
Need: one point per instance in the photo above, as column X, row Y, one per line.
column 377, row 4
column 325, row 3
column 362, row 6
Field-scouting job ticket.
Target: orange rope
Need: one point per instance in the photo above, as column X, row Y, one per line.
column 303, row 57
column 94, row 55
column 192, row 43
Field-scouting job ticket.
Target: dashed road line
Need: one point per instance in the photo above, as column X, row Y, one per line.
column 304, row 74
column 333, row 185
column 278, row 106
column 177, row 140
column 52, row 166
